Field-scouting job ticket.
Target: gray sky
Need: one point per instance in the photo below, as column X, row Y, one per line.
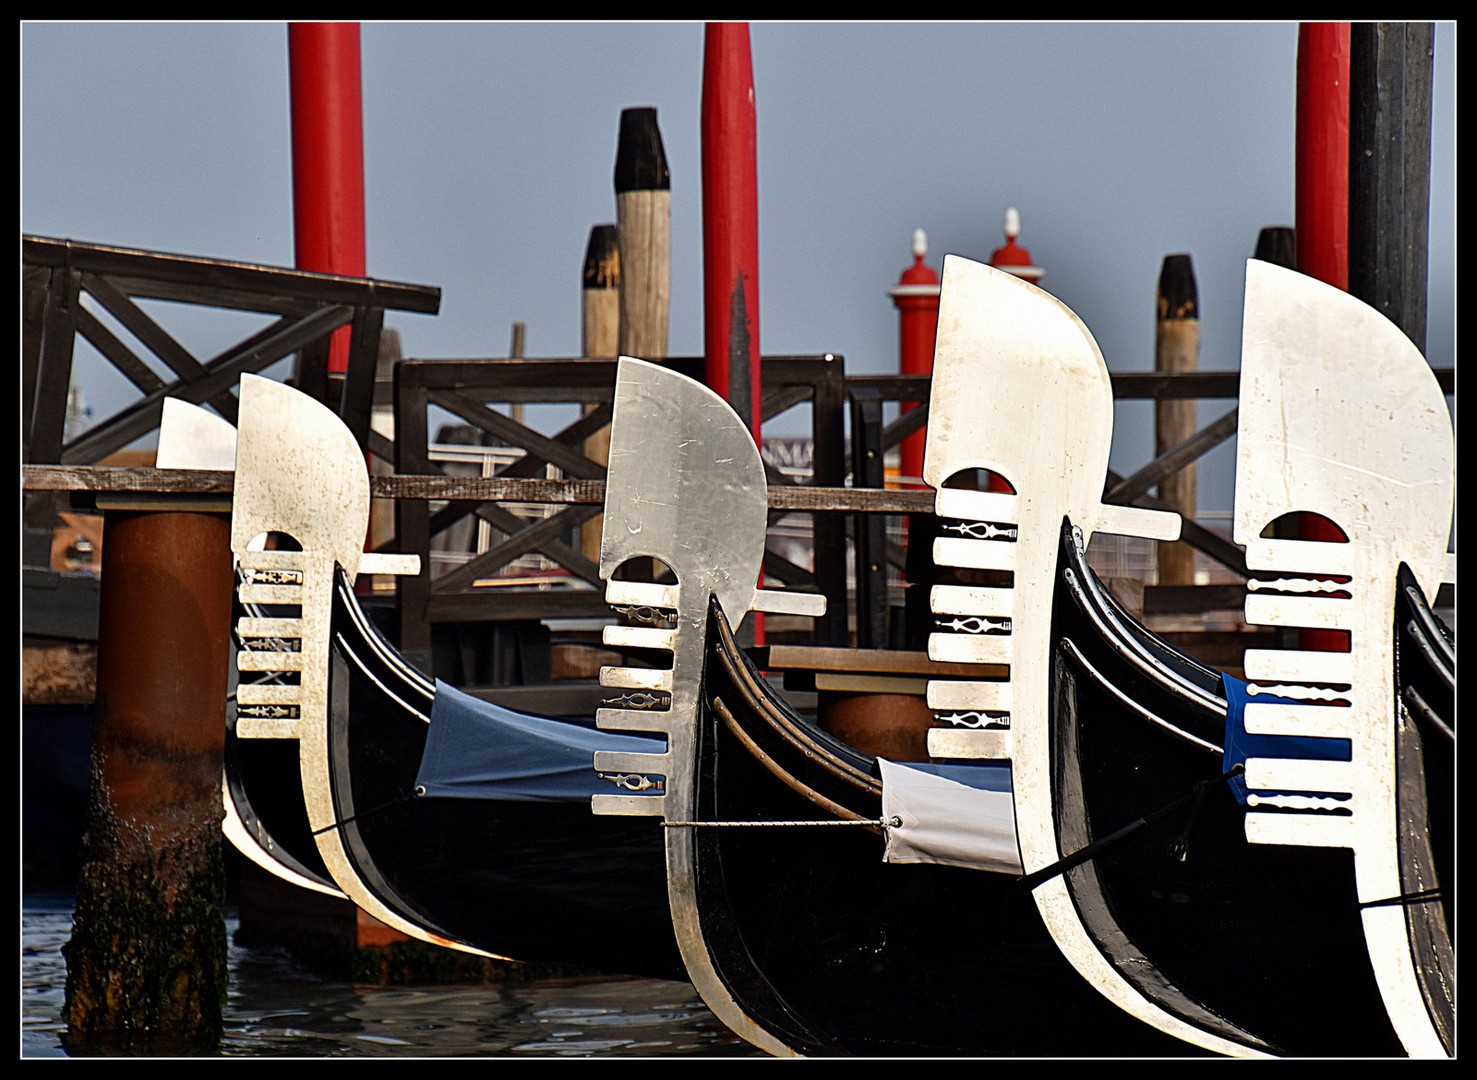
column 489, row 150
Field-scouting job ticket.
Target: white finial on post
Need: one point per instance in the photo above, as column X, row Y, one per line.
column 920, row 243
column 1012, row 223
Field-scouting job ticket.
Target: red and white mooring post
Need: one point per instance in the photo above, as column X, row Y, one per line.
column 916, row 296
column 1012, row 258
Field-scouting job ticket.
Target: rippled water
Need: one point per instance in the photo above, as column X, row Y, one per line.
column 275, row 1008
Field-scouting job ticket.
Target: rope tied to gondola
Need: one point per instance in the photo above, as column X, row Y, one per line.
column 886, row 823
column 1422, row 896
column 1028, row 882
column 399, row 800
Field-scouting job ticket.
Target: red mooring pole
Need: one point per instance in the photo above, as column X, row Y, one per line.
column 731, row 228
column 1321, row 223
column 730, row 220
column 1322, row 199
column 916, row 296
column 327, row 156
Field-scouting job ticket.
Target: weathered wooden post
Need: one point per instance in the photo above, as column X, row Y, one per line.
column 146, row 963
column 1176, row 348
column 1390, row 170
column 600, row 328
column 643, row 211
column 643, row 203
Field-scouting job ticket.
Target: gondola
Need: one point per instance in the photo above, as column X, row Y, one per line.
column 261, row 797
column 1342, row 418
column 451, row 819
column 1041, row 436
column 1140, row 838
column 797, row 933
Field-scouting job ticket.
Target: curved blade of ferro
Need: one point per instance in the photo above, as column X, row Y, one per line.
column 685, row 485
column 1020, row 388
column 1340, row 416
column 193, row 437
column 299, row 472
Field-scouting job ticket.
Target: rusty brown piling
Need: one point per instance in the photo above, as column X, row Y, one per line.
column 146, row 962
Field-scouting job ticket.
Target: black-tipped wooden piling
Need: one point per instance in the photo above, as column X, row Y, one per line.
column 1176, row 348
column 146, row 963
column 1277, row 244
column 643, row 200
column 1390, row 169
column 600, row 328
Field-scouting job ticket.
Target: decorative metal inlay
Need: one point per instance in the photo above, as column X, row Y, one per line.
column 256, row 575
column 640, row 699
column 976, row 719
column 1331, row 589
column 976, row 624
column 268, row 712
column 634, row 781
column 649, row 616
column 982, row 530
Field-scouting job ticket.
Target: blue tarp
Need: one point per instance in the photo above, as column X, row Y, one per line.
column 1239, row 744
column 478, row 750
column 984, row 775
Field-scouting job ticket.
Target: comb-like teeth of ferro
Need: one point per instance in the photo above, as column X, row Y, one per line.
column 985, row 695
column 974, row 554
column 1296, row 557
column 1298, row 721
column 1316, row 806
column 287, row 646
column 989, row 609
column 639, row 637
column 1314, row 612
column 975, row 625
column 645, row 706
column 1299, row 667
column 975, row 705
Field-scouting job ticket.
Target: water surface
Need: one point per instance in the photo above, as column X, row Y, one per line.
column 278, row 1008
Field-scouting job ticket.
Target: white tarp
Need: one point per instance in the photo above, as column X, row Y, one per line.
column 945, row 821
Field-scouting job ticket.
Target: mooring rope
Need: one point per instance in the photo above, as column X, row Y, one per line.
column 1028, row 882
column 886, row 823
column 1421, row 897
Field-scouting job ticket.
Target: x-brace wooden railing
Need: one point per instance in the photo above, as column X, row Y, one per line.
column 58, row 275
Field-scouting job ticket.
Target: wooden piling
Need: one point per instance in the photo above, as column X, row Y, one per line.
column 146, row 962
column 600, row 328
column 643, row 211
column 1390, row 170
column 1277, row 244
column 1176, row 348
column 643, row 203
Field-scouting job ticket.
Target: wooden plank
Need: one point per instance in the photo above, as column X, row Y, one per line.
column 871, row 661
column 798, row 498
